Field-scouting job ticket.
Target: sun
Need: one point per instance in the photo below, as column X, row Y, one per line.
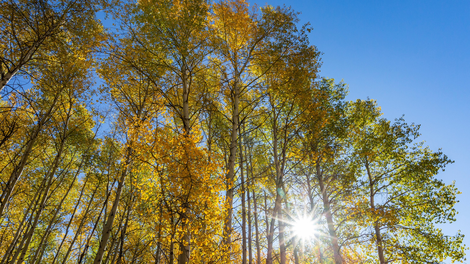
column 304, row 228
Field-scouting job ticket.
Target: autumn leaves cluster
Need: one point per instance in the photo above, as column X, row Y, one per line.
column 198, row 132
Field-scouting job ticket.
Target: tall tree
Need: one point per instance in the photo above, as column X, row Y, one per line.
column 404, row 199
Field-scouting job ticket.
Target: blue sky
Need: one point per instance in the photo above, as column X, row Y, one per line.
column 413, row 57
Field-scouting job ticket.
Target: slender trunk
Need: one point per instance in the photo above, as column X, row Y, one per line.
column 244, row 248
column 312, row 207
column 279, row 197
column 49, row 227
column 329, row 217
column 266, row 213
column 50, row 177
column 277, row 204
column 378, row 235
column 255, row 205
column 114, row 255
column 124, row 230
column 231, row 164
column 43, row 250
column 172, row 254
column 77, row 232
column 159, row 229
column 296, row 251
column 114, row 252
column 109, row 223
column 90, row 235
column 185, row 245
column 15, row 175
column 249, row 176
column 250, row 235
column 20, row 227
column 7, row 77
column 282, row 242
column 258, row 247
column 70, row 221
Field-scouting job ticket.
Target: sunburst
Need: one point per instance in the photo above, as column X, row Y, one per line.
column 305, row 228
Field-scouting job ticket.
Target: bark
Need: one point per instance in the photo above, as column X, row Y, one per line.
column 258, row 247
column 87, row 244
column 231, row 163
column 172, row 254
column 244, row 247
column 109, row 223
column 279, row 167
column 124, row 230
column 269, row 258
column 185, row 244
column 266, row 213
column 255, row 205
column 159, row 234
column 113, row 251
column 250, row 235
column 329, row 217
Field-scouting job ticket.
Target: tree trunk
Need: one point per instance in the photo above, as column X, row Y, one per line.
column 329, row 217
column 244, row 247
column 255, row 205
column 277, row 204
column 258, row 247
column 249, row 177
column 296, row 251
column 250, row 235
column 231, row 163
column 124, row 230
column 185, row 244
column 378, row 235
column 109, row 223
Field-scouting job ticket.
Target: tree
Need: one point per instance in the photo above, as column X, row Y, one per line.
column 402, row 198
column 200, row 132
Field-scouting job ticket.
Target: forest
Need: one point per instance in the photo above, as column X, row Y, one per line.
column 200, row 131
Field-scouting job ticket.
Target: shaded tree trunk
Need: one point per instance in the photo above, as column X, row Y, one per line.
column 329, row 217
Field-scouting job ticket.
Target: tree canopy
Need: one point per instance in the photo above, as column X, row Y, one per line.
column 200, row 132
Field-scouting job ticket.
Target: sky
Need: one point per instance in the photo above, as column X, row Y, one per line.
column 413, row 58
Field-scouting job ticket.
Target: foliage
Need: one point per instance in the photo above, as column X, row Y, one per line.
column 199, row 132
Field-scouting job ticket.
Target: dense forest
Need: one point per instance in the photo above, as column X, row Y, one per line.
column 200, row 132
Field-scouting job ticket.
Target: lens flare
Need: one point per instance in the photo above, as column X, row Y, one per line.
column 304, row 228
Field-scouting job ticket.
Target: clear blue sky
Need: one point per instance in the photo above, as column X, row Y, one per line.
column 413, row 57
